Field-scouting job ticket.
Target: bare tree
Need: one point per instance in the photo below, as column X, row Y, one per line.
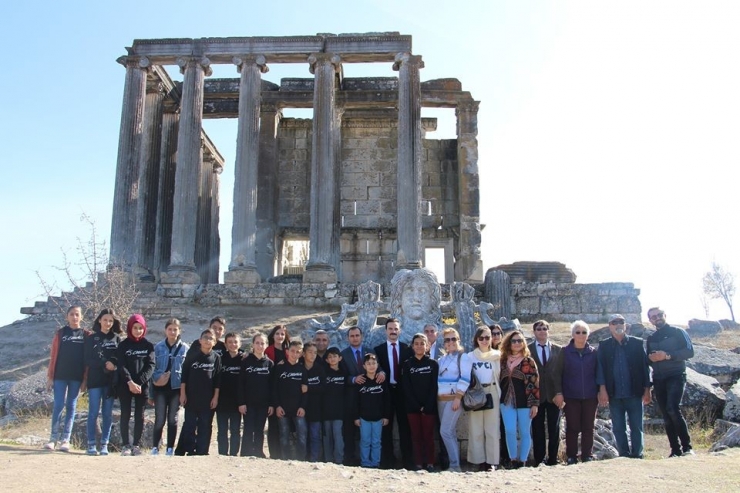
column 95, row 285
column 720, row 283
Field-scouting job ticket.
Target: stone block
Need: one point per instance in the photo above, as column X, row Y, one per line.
column 360, row 179
column 353, row 192
column 528, row 305
column 551, row 305
column 246, row 277
column 368, row 207
column 388, row 206
column 381, row 193
column 388, row 180
column 302, row 144
column 571, row 304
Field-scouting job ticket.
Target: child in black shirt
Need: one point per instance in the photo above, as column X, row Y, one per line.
column 333, row 408
column 315, row 387
column 254, row 397
column 228, row 419
column 289, row 400
column 372, row 411
column 199, row 391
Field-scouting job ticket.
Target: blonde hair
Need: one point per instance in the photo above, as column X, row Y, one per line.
column 450, row 330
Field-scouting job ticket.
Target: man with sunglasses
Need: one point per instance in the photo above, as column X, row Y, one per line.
column 544, row 352
column 623, row 376
column 668, row 349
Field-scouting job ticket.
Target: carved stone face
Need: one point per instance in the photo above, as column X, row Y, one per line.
column 416, row 299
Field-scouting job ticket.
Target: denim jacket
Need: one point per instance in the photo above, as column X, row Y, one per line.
column 162, row 357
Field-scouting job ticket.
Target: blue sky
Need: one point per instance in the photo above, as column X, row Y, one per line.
column 608, row 131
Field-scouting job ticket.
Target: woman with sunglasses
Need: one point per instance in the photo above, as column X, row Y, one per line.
column 451, row 385
column 483, row 429
column 576, row 392
column 520, row 390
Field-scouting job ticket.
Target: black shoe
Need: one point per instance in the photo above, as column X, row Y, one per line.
column 675, row 453
column 484, row 467
column 588, row 459
column 516, row 464
column 572, row 461
column 430, row 468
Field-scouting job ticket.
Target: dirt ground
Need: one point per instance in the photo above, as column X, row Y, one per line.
column 31, row 469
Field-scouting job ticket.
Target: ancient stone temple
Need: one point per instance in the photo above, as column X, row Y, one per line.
column 360, row 181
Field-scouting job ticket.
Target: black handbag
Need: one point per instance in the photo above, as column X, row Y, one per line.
column 475, row 398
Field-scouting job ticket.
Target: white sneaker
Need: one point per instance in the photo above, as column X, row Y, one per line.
column 50, row 445
column 136, row 450
column 64, row 447
column 155, row 451
column 126, row 451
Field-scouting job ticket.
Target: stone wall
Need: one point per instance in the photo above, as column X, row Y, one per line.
column 294, row 173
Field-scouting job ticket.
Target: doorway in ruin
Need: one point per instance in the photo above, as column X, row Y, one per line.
column 294, row 256
column 437, row 256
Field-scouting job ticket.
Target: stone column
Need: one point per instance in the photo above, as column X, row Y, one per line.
column 243, row 268
column 123, row 223
column 166, row 193
column 267, row 179
column 203, row 221
column 468, row 265
column 215, row 247
column 146, row 207
column 408, row 186
column 323, row 237
column 187, row 176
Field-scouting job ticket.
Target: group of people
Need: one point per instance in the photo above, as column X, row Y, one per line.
column 318, row 400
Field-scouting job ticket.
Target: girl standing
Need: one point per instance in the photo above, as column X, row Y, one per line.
column 483, row 432
column 278, row 341
column 135, row 366
column 419, row 376
column 520, row 395
column 169, row 355
column 100, row 360
column 66, row 375
column 254, row 397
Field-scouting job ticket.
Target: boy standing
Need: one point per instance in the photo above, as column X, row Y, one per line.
column 228, row 418
column 199, row 390
column 372, row 411
column 333, row 407
column 289, row 401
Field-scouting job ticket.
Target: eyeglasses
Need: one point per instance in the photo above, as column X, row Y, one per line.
column 517, row 341
column 617, row 322
column 542, row 329
column 484, row 338
column 496, row 334
column 580, row 333
column 450, row 339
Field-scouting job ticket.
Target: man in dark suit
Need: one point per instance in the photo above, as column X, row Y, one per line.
column 391, row 356
column 545, row 353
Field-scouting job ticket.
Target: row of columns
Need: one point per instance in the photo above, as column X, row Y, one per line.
column 190, row 215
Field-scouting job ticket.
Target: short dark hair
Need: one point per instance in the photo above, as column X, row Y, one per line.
column 232, row 334
column 333, row 350
column 218, row 319
column 208, row 331
column 368, row 357
column 307, row 345
column 392, row 320
column 353, row 328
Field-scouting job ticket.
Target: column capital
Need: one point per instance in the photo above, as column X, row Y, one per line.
column 134, row 61
column 204, row 62
column 407, row 58
column 467, row 106
column 316, row 58
column 258, row 60
column 269, row 107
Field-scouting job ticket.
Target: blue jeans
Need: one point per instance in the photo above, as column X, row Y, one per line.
column 229, row 439
column 632, row 407
column 333, row 441
column 298, row 452
column 314, row 440
column 253, row 438
column 95, row 397
column 448, row 430
column 166, row 408
column 370, row 443
column 668, row 394
column 517, row 419
column 65, row 398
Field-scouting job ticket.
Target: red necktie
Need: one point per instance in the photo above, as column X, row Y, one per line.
column 395, row 363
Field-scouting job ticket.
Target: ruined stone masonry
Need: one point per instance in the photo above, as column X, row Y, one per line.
column 360, row 181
